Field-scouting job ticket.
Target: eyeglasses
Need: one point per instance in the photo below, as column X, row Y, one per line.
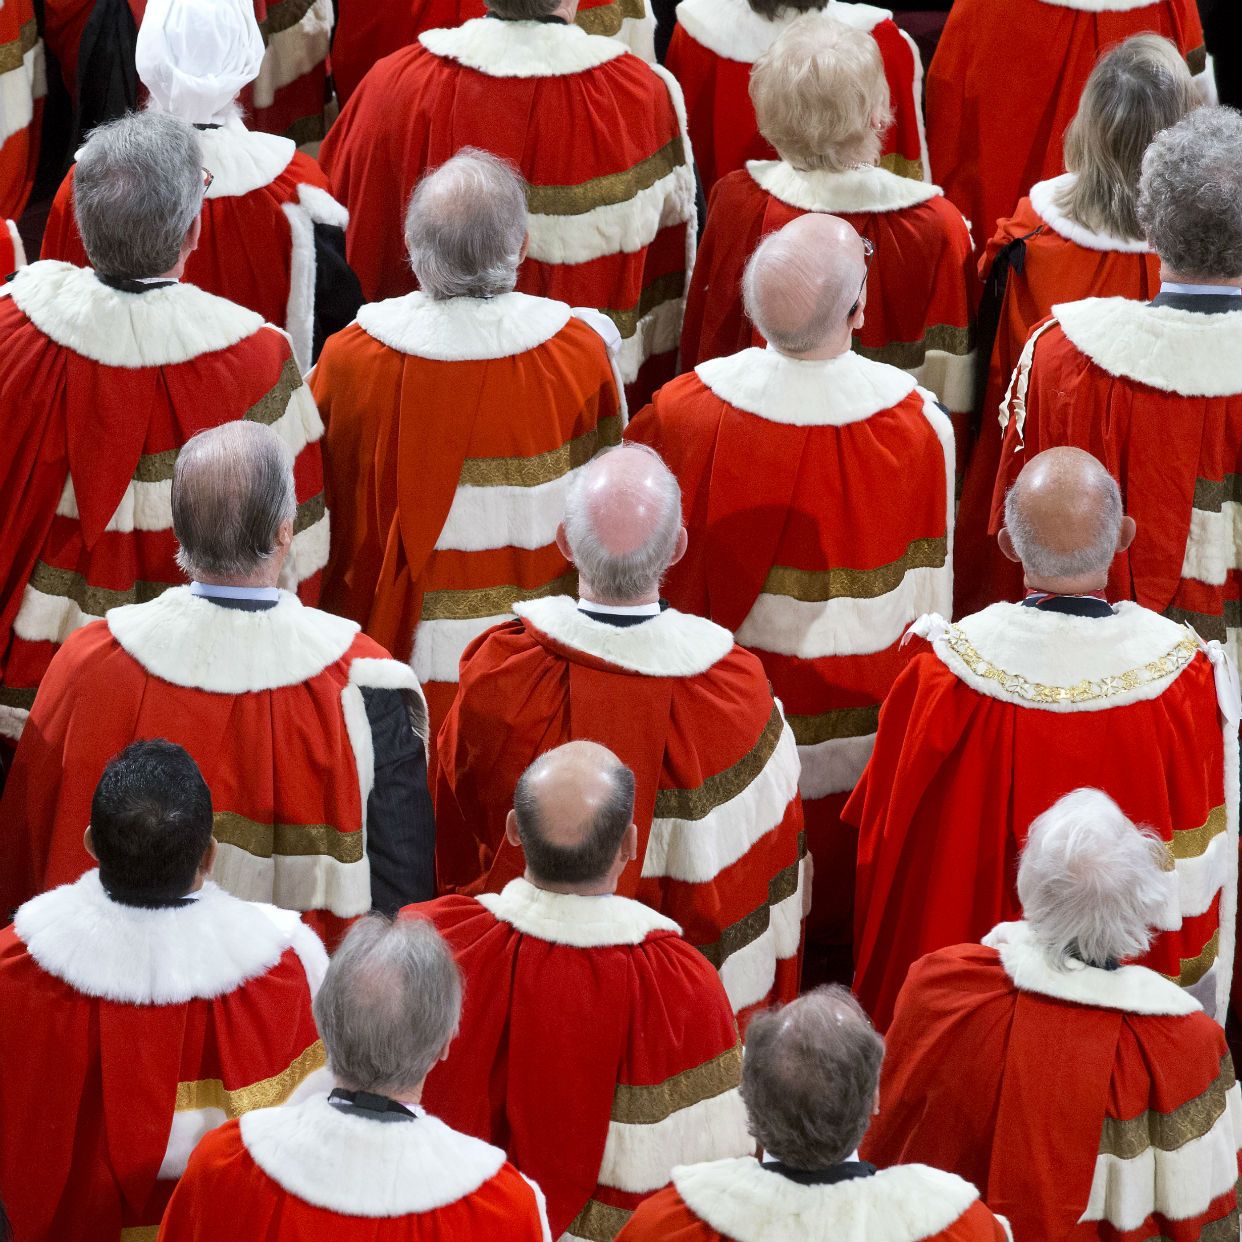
column 868, row 251
column 208, row 178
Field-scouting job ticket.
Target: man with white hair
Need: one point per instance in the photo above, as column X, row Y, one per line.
column 108, row 371
column 597, row 1045
column 368, row 1163
column 1018, row 704
column 810, row 1081
column 720, row 848
column 819, row 489
column 1086, row 1097
column 310, row 737
column 456, row 418
column 1154, row 390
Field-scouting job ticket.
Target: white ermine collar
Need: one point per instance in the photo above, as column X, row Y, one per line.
column 748, row 1203
column 160, row 328
column 576, row 922
column 170, row 956
column 734, row 31
column 195, row 643
column 674, row 644
column 1044, row 199
column 859, row 190
column 464, row 329
column 242, row 160
column 1101, row 6
column 831, row 393
column 359, row 1167
column 521, row 49
column 1180, row 351
column 1132, row 989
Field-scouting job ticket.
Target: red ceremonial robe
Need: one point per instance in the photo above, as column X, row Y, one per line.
column 12, row 252
column 637, row 1070
column 258, row 242
column 714, row 44
column 454, row 429
column 23, row 84
column 599, row 136
column 920, row 288
column 805, row 543
column 1084, row 1103
column 998, row 104
column 1011, row 709
column 1156, row 394
column 127, row 1034
column 720, row 846
column 313, row 1173
column 1052, row 259
column 100, row 389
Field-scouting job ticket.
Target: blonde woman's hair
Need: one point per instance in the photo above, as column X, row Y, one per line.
column 1137, row 89
column 820, row 95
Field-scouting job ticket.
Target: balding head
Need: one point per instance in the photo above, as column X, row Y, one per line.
column 1064, row 522
column 573, row 816
column 803, row 286
column 622, row 525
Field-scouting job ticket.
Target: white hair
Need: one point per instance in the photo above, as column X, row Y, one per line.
column 1094, row 556
column 1093, row 885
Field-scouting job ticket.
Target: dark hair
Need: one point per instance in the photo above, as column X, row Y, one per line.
column 772, row 9
column 150, row 822
column 591, row 858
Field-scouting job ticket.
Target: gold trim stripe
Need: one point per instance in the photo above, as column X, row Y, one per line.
column 817, row 586
column 606, row 19
column 1209, row 626
column 91, row 599
column 140, row 1233
column 1128, row 1138
column 608, row 190
column 13, row 53
column 309, row 512
column 666, row 288
column 283, row 15
column 1196, row 59
column 1194, row 968
column 939, row 338
column 22, row 697
column 490, row 601
column 598, row 1222
column 833, row 726
column 308, row 129
column 286, row 840
column 646, row 1106
column 1211, row 494
column 903, row 166
column 1193, row 842
column 156, row 467
column 212, row 1093
column 269, row 407
column 543, row 467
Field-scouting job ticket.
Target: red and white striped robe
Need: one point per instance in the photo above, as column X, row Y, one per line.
column 23, row 85
column 12, row 251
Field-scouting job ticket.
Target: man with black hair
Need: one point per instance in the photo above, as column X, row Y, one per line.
column 160, row 1007
column 596, row 1045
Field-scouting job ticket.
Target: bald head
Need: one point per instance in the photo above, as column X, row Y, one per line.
column 802, row 285
column 1064, row 521
column 572, row 811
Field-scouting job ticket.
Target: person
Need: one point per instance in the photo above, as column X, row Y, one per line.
column 310, row 737
column 456, row 417
column 773, row 449
column 368, row 1162
column 1154, row 390
column 596, row 1044
column 108, row 371
column 714, row 45
column 810, row 1082
column 23, row 86
column 820, row 96
column 598, row 135
column 273, row 238
column 1017, row 705
column 720, row 846
column 1074, row 236
column 139, row 1008
column 1136, row 1132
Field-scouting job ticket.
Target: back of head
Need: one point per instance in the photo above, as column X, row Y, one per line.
column 573, row 806
column 622, row 522
column 522, row 10
column 1137, row 89
column 1092, row 884
column 465, row 227
column 137, row 190
column 820, row 95
column 810, row 1078
column 389, row 1005
column 150, row 823
column 232, row 489
column 774, row 10
column 1190, row 197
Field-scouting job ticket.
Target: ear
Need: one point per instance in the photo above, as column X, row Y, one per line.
column 88, row 843
column 284, row 536
column 1005, row 543
column 193, row 236
column 683, row 542
column 1125, row 536
column 209, row 859
column 525, row 248
column 511, row 830
column 563, row 543
column 629, row 843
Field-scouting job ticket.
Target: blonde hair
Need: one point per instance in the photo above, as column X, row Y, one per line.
column 1137, row 89
column 820, row 95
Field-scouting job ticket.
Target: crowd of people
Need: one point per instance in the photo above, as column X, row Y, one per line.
column 633, row 637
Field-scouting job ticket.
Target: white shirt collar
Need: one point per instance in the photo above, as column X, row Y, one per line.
column 620, row 610
column 210, row 591
column 1218, row 291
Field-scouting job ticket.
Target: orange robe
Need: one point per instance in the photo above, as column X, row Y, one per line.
column 23, row 84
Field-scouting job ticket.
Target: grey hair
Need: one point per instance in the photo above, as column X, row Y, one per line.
column 1093, row 885
column 618, row 577
column 522, row 10
column 465, row 227
column 773, row 10
column 1190, row 197
column 1088, row 558
column 389, row 1006
column 232, row 489
column 137, row 190
column 810, row 1077
column 1137, row 89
